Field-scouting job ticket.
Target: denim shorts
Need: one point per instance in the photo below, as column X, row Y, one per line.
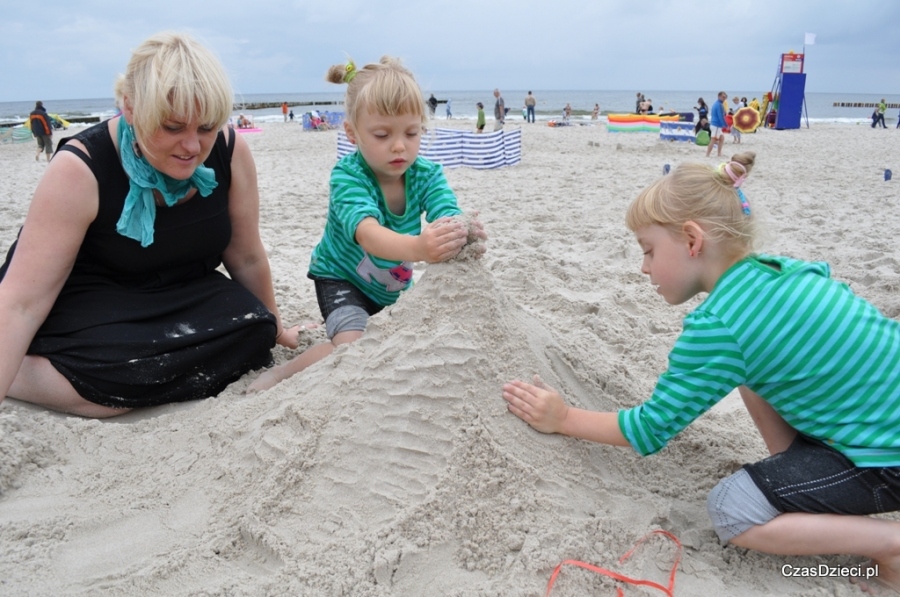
column 811, row 476
column 344, row 307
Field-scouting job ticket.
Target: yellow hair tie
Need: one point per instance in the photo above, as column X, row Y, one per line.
column 350, row 72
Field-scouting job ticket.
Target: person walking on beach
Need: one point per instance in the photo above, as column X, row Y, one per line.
column 432, row 104
column 817, row 367
column 530, row 103
column 499, row 111
column 379, row 193
column 284, row 110
column 717, row 122
column 880, row 110
column 42, row 129
column 449, row 111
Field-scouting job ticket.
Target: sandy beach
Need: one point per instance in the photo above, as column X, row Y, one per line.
column 392, row 468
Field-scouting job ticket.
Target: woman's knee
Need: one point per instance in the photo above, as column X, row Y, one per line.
column 38, row 382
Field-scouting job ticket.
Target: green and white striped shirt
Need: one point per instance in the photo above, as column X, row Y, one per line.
column 826, row 360
column 355, row 195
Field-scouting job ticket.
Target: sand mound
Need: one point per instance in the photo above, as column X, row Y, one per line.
column 391, row 468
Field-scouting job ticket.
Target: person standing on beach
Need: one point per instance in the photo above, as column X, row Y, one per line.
column 379, row 193
column 702, row 109
column 595, row 113
column 42, row 129
column 449, row 111
column 638, row 101
column 480, row 122
column 530, row 103
column 817, row 368
column 432, row 104
column 111, row 297
column 717, row 122
column 284, row 110
column 499, row 111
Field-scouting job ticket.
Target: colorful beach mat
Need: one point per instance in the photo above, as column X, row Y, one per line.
column 637, row 123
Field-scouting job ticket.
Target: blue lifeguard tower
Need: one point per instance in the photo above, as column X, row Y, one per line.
column 788, row 90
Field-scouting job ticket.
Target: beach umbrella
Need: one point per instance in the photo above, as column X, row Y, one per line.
column 746, row 119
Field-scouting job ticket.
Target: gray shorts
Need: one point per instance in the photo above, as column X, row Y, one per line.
column 45, row 142
column 810, row 476
column 344, row 307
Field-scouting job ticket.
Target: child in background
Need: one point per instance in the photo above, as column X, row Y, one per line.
column 374, row 231
column 479, row 124
column 702, row 125
column 729, row 120
column 817, row 367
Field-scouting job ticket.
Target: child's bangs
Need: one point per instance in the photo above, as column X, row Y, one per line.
column 648, row 208
column 393, row 94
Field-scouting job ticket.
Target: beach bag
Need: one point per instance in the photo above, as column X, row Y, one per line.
column 702, row 138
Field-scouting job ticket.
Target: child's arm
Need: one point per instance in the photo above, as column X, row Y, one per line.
column 544, row 409
column 438, row 241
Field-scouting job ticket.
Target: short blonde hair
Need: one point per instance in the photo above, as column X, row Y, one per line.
column 702, row 194
column 387, row 88
column 171, row 74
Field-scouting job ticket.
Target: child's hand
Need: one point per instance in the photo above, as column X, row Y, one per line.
column 476, row 228
column 538, row 405
column 442, row 239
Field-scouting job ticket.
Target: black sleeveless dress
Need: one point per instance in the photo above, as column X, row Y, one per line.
column 138, row 326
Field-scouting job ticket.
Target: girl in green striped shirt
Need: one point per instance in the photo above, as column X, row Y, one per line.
column 379, row 193
column 817, row 367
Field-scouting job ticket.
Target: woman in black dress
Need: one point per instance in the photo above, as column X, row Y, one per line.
column 111, row 298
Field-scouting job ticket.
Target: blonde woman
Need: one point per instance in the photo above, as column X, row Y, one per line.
column 110, row 299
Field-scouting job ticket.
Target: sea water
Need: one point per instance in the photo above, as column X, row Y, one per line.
column 550, row 104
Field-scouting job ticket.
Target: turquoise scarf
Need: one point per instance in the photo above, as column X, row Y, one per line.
column 139, row 212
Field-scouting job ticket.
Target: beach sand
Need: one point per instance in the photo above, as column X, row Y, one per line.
column 392, row 468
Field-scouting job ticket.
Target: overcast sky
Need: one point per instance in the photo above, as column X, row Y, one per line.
column 54, row 49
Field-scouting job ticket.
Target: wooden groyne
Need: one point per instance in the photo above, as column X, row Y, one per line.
column 84, row 119
column 861, row 105
column 264, row 105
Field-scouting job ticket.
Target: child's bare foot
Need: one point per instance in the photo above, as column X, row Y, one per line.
column 887, row 581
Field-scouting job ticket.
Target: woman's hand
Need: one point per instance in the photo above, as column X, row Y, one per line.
column 289, row 337
column 539, row 405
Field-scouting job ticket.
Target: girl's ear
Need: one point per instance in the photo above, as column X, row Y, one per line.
column 694, row 235
column 351, row 136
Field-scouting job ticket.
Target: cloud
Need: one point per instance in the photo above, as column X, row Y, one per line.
column 76, row 48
